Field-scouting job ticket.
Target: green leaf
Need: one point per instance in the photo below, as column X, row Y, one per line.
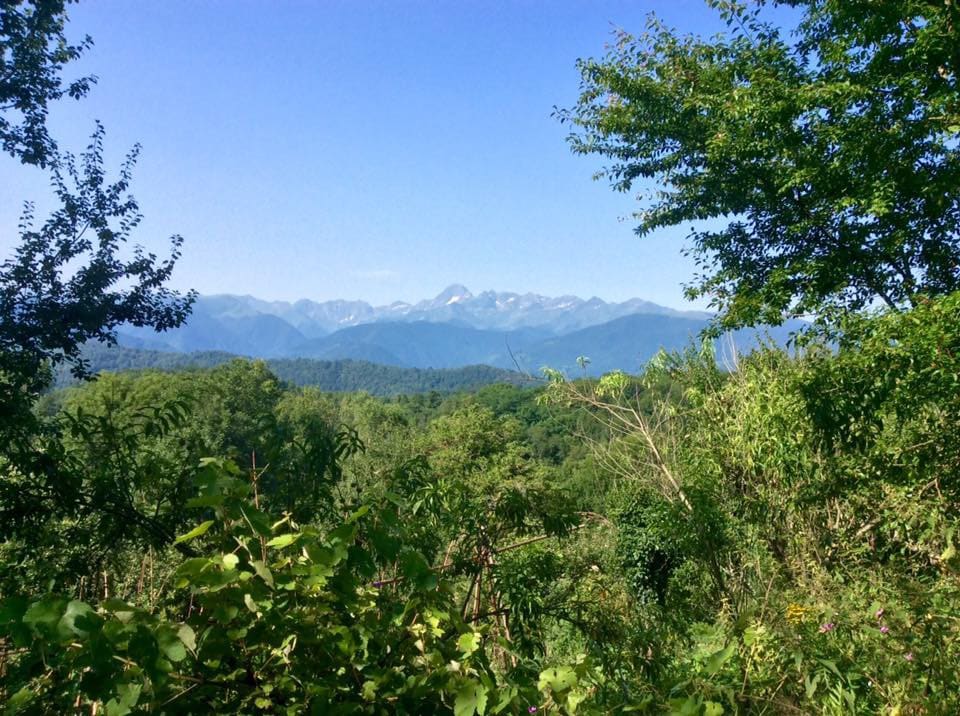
column 45, row 614
column 285, row 540
column 126, row 699
column 716, row 660
column 358, row 514
column 197, row 531
column 468, row 643
column 205, row 501
column 345, row 533
column 258, row 520
column 712, row 708
column 832, row 666
column 170, row 643
column 415, row 568
column 230, row 561
column 471, row 699
column 190, row 571
column 20, row 700
column 188, row 637
column 263, row 572
column 386, row 544
column 12, row 609
column 558, row 679
column 76, row 610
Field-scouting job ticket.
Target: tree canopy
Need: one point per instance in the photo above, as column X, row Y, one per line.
column 775, row 536
column 819, row 170
column 70, row 280
column 33, row 52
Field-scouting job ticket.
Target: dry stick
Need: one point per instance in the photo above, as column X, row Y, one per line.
column 659, row 460
column 476, row 603
column 143, row 572
column 445, row 564
column 179, row 694
column 626, row 420
column 256, row 503
column 499, row 614
column 176, row 675
column 153, row 594
column 523, row 543
column 631, row 421
column 466, row 599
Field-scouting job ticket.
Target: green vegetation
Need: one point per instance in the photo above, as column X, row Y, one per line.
column 340, row 376
column 828, row 155
column 776, row 537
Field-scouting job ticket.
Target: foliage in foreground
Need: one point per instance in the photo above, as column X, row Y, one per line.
column 776, row 539
column 277, row 617
column 792, row 526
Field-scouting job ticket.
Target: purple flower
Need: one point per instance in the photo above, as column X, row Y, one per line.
column 879, row 614
column 378, row 584
column 532, row 710
column 884, row 629
column 908, row 656
column 829, row 626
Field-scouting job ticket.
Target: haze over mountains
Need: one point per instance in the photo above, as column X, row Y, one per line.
column 454, row 329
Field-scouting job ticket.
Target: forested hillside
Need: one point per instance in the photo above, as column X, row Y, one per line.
column 334, row 376
column 773, row 532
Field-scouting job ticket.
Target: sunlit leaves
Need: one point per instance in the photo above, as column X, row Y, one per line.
column 35, row 50
column 815, row 166
column 197, row 531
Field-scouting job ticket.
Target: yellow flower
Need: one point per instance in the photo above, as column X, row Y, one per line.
column 796, row 613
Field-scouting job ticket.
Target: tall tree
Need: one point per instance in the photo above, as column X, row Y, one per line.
column 820, row 170
column 33, row 51
column 70, row 279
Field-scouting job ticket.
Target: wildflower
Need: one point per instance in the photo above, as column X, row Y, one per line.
column 829, row 626
column 884, row 629
column 908, row 656
column 879, row 614
column 532, row 710
column 377, row 584
column 795, row 613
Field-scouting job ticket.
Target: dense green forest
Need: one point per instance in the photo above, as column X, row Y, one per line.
column 777, row 535
column 339, row 376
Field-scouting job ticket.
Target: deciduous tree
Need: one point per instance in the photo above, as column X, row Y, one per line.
column 819, row 169
column 33, row 52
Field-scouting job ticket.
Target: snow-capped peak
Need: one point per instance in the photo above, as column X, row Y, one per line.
column 454, row 293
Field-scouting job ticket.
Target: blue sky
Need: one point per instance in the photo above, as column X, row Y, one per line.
column 361, row 149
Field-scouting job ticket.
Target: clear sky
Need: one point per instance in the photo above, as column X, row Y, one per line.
column 362, row 149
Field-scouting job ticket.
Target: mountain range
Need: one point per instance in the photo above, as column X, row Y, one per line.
column 454, row 329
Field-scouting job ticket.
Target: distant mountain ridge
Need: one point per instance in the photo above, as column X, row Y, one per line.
column 489, row 310
column 454, row 329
